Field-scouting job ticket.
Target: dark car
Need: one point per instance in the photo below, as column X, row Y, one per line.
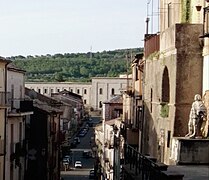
column 81, row 134
column 76, row 140
column 90, row 123
column 73, row 144
column 91, row 174
column 87, row 154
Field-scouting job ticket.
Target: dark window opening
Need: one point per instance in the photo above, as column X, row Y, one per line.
column 100, row 90
column 168, row 139
column 100, row 104
column 151, row 100
column 169, row 15
column 85, row 91
column 113, row 91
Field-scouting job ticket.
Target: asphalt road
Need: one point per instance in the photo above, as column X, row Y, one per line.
column 88, row 163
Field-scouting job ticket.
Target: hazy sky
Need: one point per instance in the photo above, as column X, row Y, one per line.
column 35, row 27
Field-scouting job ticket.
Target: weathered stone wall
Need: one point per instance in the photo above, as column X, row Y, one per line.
column 190, row 151
column 189, row 73
column 183, row 60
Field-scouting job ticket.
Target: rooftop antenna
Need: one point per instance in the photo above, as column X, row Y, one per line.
column 148, row 19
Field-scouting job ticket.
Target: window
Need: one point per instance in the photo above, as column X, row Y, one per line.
column 85, row 91
column 58, row 90
column 100, row 90
column 137, row 73
column 52, row 90
column 100, row 104
column 45, row 91
column 151, row 94
column 168, row 139
column 113, row 91
column 84, row 101
column 20, row 131
column 21, row 92
column 78, row 91
column 71, row 90
column 169, row 15
column 39, row 90
column 12, row 93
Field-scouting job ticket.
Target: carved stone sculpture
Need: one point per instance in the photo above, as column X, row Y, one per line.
column 197, row 114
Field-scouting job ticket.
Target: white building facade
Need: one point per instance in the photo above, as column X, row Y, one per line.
column 94, row 94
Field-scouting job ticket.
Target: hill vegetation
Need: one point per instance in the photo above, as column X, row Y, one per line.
column 75, row 66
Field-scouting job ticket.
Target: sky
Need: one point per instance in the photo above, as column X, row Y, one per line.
column 40, row 27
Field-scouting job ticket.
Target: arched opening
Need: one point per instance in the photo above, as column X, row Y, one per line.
column 165, row 94
column 165, row 87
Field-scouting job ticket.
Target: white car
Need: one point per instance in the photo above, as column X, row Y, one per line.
column 78, row 164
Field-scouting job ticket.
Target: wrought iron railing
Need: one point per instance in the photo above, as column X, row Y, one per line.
column 142, row 166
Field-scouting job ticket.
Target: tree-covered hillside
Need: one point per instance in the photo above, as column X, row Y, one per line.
column 75, row 66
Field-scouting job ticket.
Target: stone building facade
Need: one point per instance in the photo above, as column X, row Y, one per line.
column 173, row 75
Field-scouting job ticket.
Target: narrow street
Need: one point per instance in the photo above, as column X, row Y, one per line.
column 77, row 155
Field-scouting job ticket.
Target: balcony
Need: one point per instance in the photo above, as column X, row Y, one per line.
column 4, row 99
column 1, row 147
column 138, row 166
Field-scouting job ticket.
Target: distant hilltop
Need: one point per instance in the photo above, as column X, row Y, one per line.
column 76, row 67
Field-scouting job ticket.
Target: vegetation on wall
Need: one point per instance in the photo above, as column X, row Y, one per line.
column 75, row 66
column 164, row 110
column 186, row 11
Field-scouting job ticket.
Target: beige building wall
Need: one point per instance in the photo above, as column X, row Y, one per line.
column 15, row 125
column 175, row 11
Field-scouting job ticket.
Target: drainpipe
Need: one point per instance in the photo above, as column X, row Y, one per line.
column 5, row 120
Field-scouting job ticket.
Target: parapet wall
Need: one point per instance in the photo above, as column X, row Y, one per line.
column 189, row 151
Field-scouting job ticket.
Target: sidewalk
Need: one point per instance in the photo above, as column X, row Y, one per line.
column 191, row 172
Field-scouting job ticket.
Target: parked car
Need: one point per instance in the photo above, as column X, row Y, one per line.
column 91, row 174
column 73, row 144
column 90, row 123
column 87, row 154
column 78, row 164
column 67, row 157
column 81, row 134
column 77, row 140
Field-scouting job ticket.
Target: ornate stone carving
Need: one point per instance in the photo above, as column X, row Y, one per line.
column 196, row 117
